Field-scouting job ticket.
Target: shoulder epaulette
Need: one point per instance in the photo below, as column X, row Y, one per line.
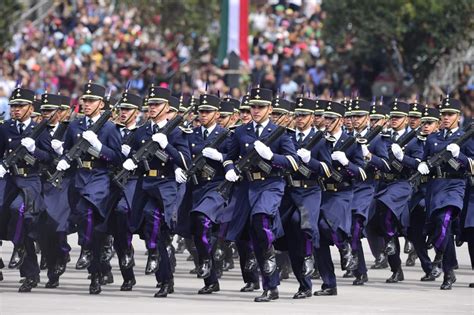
column 186, row 130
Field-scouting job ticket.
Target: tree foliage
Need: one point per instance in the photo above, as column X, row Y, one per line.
column 420, row 31
column 9, row 10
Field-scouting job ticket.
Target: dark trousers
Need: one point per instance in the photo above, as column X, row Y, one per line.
column 328, row 237
column 389, row 228
column 442, row 227
column 376, row 242
column 201, row 227
column 30, row 267
column 123, row 241
column 165, row 271
column 300, row 245
column 93, row 239
column 418, row 238
column 356, row 244
column 262, row 237
column 54, row 245
column 244, row 248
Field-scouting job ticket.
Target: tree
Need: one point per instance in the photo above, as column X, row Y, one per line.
column 405, row 37
column 9, row 11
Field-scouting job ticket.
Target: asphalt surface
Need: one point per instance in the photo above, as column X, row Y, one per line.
column 71, row 297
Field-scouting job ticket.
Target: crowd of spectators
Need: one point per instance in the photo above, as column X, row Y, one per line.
column 110, row 44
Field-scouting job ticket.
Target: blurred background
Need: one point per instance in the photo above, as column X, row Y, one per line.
column 330, row 48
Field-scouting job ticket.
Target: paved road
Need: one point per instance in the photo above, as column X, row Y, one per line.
column 72, row 297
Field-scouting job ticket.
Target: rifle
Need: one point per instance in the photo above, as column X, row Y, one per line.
column 81, row 147
column 147, row 151
column 403, row 141
column 303, row 169
column 445, row 156
column 199, row 163
column 250, row 159
column 349, row 142
column 20, row 153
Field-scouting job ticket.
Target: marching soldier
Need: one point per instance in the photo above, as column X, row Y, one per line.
column 447, row 186
column 129, row 107
column 417, row 206
column 156, row 197
column 92, row 179
column 375, row 156
column 299, row 208
column 208, row 204
column 54, row 223
column 23, row 200
column 414, row 123
column 335, row 217
column 262, row 193
column 391, row 201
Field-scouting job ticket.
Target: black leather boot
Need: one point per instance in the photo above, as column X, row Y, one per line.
column 94, row 287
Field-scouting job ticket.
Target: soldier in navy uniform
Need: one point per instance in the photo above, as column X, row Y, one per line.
column 92, row 180
column 262, row 194
column 376, row 160
column 379, row 115
column 447, row 186
column 415, row 232
column 156, row 197
column 467, row 222
column 120, row 208
column 299, row 208
column 282, row 115
column 414, row 122
column 248, row 261
column 54, row 222
column 223, row 254
column 208, row 204
column 335, row 216
column 23, row 201
column 391, row 201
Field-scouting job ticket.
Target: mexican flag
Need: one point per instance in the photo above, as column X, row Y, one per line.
column 234, row 29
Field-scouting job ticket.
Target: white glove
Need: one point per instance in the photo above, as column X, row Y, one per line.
column 180, row 176
column 365, row 150
column 397, row 151
column 304, row 154
column 423, row 168
column 3, row 171
column 231, row 176
column 161, row 139
column 126, row 149
column 62, row 165
column 212, row 154
column 57, row 146
column 262, row 150
column 92, row 138
column 341, row 157
column 29, row 144
column 454, row 149
column 129, row 165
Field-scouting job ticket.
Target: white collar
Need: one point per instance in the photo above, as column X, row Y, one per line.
column 209, row 130
column 26, row 123
column 452, row 130
column 263, row 124
column 305, row 133
column 94, row 119
column 364, row 132
column 131, row 127
column 160, row 125
column 337, row 135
